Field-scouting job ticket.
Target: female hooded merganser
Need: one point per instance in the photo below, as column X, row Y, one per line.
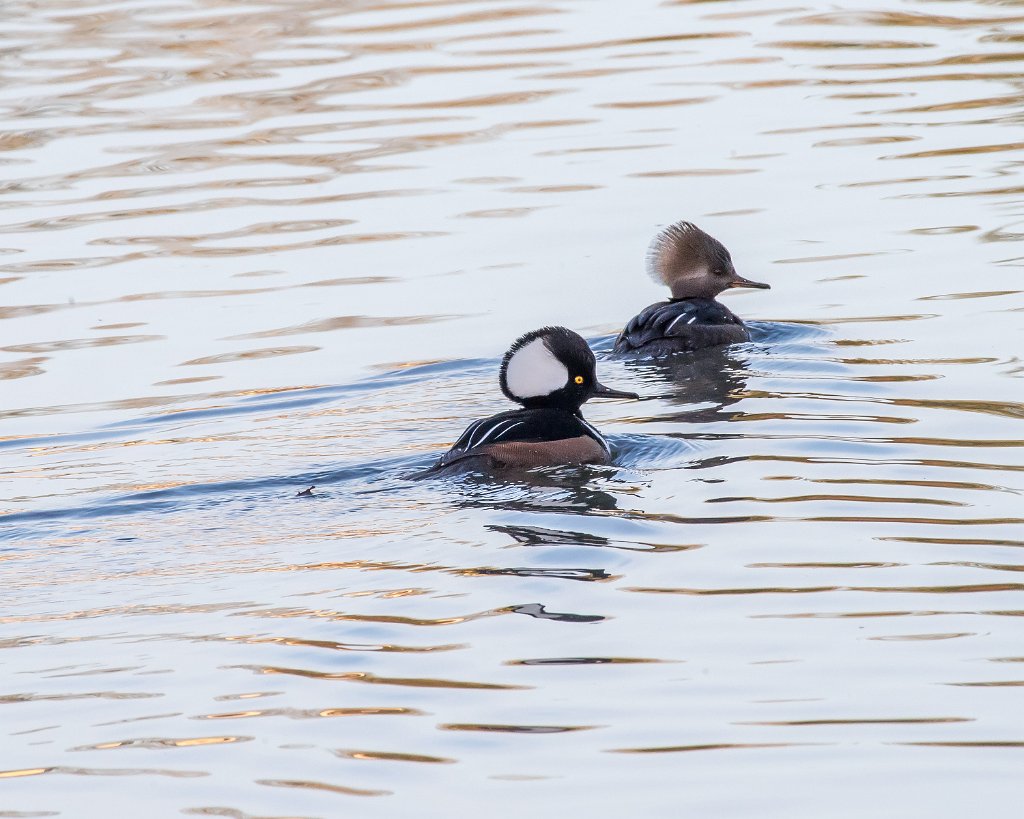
column 696, row 268
column 551, row 372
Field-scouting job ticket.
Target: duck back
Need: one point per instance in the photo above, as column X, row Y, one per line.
column 681, row 325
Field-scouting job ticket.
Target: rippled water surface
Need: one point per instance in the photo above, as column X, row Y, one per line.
column 249, row 247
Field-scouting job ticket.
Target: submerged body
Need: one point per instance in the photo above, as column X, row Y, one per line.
column 696, row 267
column 551, row 372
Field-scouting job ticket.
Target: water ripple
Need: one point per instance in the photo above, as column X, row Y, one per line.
column 804, row 557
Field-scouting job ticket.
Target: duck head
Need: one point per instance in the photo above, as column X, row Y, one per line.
column 553, row 367
column 693, row 264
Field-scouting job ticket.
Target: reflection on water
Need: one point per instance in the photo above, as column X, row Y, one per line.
column 706, row 382
column 249, row 249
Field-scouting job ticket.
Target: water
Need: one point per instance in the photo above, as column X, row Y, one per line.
column 252, row 248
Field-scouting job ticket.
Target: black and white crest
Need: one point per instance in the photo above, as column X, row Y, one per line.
column 542, row 364
column 531, row 369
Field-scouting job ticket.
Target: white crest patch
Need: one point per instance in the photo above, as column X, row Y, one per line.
column 534, row 371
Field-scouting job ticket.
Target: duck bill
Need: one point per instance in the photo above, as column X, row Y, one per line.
column 739, row 281
column 601, row 391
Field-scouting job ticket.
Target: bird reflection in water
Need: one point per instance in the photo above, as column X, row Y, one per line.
column 540, row 612
column 566, row 490
column 541, row 536
column 711, row 379
column 536, row 536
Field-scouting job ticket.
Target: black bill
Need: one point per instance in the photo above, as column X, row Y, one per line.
column 601, row 391
column 739, row 281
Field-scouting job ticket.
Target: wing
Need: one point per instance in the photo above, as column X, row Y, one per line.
column 496, row 428
column 691, row 324
column 520, row 427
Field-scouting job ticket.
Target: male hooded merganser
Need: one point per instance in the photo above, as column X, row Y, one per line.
column 696, row 268
column 551, row 372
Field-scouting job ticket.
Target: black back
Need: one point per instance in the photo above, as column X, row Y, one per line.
column 681, row 325
column 524, row 425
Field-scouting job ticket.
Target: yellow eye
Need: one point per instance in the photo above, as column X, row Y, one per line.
column 578, row 379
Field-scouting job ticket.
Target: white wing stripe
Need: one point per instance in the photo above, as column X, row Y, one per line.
column 507, row 430
column 676, row 319
column 473, row 430
column 497, row 431
column 494, row 430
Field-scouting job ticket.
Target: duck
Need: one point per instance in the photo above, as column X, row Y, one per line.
column 551, row 373
column 695, row 267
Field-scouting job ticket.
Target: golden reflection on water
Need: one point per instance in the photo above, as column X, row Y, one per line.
column 395, row 191
column 392, row 756
column 321, row 786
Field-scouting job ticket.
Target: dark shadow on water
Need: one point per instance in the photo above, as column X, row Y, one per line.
column 541, row 613
column 540, row 536
column 585, row 575
column 565, row 489
column 705, row 382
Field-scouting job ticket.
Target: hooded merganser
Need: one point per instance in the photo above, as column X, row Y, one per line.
column 551, row 372
column 696, row 268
